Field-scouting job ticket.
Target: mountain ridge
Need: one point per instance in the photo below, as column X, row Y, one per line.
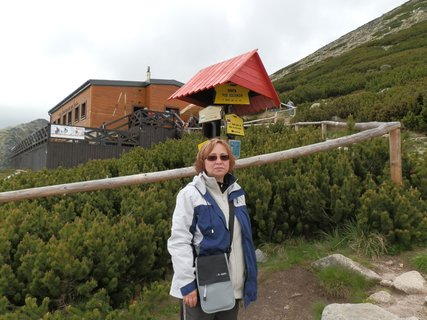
column 11, row 136
column 393, row 21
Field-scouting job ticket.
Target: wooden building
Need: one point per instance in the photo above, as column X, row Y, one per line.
column 101, row 119
column 98, row 102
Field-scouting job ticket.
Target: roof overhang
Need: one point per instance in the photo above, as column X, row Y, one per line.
column 245, row 70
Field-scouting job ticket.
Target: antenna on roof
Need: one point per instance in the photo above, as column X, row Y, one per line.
column 148, row 78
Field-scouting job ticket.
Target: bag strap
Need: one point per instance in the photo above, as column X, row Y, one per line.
column 230, row 224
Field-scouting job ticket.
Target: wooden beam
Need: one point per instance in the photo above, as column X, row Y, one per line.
column 395, row 156
column 110, row 183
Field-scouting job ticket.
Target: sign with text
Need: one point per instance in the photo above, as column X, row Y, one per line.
column 210, row 113
column 231, row 94
column 234, row 125
column 67, row 132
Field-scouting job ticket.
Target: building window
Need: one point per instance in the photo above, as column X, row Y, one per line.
column 64, row 119
column 77, row 114
column 70, row 117
column 83, row 111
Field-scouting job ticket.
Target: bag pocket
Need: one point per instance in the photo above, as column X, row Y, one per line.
column 216, row 291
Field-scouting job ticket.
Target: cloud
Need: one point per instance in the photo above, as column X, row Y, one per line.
column 49, row 48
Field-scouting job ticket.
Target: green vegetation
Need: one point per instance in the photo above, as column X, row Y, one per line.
column 339, row 282
column 382, row 80
column 102, row 255
column 352, row 236
column 317, row 308
column 420, row 262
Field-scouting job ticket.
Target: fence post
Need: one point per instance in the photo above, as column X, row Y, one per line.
column 395, row 156
column 324, row 128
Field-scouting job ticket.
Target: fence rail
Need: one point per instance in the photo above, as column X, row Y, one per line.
column 375, row 129
column 126, row 132
column 33, row 140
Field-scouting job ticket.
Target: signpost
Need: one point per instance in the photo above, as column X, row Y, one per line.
column 234, row 125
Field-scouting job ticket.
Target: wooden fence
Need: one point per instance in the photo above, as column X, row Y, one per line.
column 142, row 128
column 371, row 130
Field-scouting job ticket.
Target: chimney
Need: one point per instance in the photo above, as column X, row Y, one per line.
column 148, row 78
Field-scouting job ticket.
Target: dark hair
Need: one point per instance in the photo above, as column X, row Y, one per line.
column 207, row 148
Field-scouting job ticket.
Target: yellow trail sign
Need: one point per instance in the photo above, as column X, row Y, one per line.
column 231, row 94
column 234, row 125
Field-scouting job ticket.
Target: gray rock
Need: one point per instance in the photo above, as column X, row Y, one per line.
column 411, row 282
column 381, row 297
column 365, row 311
column 260, row 256
column 386, row 283
column 339, row 259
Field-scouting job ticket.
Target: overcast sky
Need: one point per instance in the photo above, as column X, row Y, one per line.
column 49, row 47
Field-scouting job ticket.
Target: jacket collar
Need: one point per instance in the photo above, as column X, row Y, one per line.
column 202, row 179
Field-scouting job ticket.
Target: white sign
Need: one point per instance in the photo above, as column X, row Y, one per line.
column 67, row 132
column 210, row 113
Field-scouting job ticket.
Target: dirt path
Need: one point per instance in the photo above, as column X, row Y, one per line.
column 291, row 294
column 403, row 305
column 287, row 294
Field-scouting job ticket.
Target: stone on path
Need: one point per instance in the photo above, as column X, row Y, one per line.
column 411, row 282
column 339, row 259
column 365, row 311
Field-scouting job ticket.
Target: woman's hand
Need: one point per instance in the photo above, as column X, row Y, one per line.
column 191, row 299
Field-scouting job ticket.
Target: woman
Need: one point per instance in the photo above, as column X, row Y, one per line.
column 200, row 228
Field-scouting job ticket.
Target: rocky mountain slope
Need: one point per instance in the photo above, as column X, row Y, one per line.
column 9, row 137
column 403, row 17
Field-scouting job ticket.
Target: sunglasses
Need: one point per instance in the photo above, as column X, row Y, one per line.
column 214, row 157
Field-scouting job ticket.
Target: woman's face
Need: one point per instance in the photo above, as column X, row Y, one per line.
column 214, row 166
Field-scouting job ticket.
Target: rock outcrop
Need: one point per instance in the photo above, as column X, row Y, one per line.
column 403, row 299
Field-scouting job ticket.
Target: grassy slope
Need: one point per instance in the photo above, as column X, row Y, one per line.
column 398, row 60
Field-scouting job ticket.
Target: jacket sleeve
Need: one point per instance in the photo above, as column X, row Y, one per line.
column 180, row 243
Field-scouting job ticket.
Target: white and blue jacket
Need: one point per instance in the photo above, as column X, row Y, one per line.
column 199, row 227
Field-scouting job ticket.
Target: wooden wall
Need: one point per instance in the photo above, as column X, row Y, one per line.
column 53, row 154
column 108, row 103
column 73, row 105
column 104, row 104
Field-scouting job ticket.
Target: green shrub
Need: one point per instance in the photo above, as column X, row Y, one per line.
column 91, row 255
column 394, row 212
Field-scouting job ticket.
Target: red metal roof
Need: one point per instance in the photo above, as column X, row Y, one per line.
column 245, row 70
